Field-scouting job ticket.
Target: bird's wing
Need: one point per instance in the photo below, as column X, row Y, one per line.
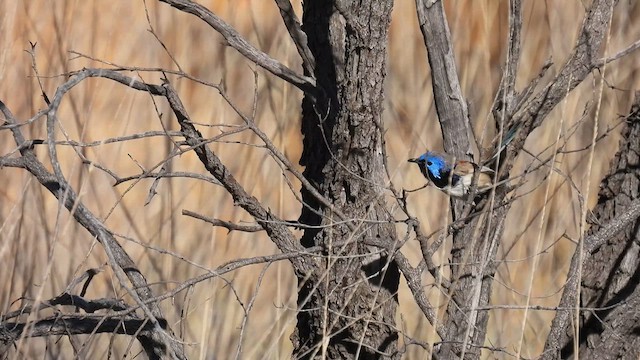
column 464, row 168
column 486, row 170
column 484, row 180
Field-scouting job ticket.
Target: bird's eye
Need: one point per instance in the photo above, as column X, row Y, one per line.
column 429, row 163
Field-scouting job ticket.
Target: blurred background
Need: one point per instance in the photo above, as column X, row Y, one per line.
column 42, row 250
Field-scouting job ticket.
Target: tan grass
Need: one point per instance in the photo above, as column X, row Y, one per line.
column 41, row 250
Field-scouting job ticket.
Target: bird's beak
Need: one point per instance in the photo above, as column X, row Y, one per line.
column 413, row 160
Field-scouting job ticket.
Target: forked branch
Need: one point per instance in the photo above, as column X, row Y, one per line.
column 157, row 341
column 236, row 41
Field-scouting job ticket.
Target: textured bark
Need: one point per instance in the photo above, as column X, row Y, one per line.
column 472, row 252
column 612, row 271
column 345, row 303
column 475, row 244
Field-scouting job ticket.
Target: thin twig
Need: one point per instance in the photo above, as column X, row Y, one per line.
column 236, row 41
column 225, row 224
column 297, row 35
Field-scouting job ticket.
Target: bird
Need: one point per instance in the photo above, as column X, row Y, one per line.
column 454, row 177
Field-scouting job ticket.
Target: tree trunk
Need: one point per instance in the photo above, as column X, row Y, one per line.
column 347, row 305
column 612, row 272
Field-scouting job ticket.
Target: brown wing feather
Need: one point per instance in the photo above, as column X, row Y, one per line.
column 484, row 180
column 464, row 168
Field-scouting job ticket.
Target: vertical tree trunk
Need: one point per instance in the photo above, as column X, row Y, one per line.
column 348, row 306
column 612, row 272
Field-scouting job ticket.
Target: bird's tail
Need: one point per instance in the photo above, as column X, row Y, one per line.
column 502, row 146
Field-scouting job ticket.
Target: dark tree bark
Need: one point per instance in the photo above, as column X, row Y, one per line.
column 348, row 304
column 611, row 272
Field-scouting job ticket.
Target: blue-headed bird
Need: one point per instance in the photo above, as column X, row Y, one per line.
column 454, row 177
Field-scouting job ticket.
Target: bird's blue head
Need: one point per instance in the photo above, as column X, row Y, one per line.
column 432, row 162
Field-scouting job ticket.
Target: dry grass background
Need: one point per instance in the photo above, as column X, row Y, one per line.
column 42, row 250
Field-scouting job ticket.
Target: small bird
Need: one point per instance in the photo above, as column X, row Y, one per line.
column 451, row 176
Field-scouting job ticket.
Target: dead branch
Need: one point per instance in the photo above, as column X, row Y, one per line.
column 297, row 35
column 584, row 58
column 156, row 341
column 225, row 224
column 505, row 99
column 600, row 235
column 450, row 104
column 236, row 41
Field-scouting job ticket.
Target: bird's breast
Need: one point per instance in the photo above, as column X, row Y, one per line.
column 442, row 181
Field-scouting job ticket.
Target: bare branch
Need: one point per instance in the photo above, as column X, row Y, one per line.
column 297, row 35
column 236, row 41
column 568, row 299
column 450, row 104
column 161, row 341
column 594, row 241
column 11, row 162
column 505, row 100
column 622, row 53
column 280, row 157
column 32, row 54
column 66, row 299
column 237, row 264
column 582, row 61
column 76, row 324
column 175, row 174
column 120, row 319
column 225, row 224
column 278, row 232
column 619, row 174
column 414, row 280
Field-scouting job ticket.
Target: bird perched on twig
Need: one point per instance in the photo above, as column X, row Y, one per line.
column 454, row 177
